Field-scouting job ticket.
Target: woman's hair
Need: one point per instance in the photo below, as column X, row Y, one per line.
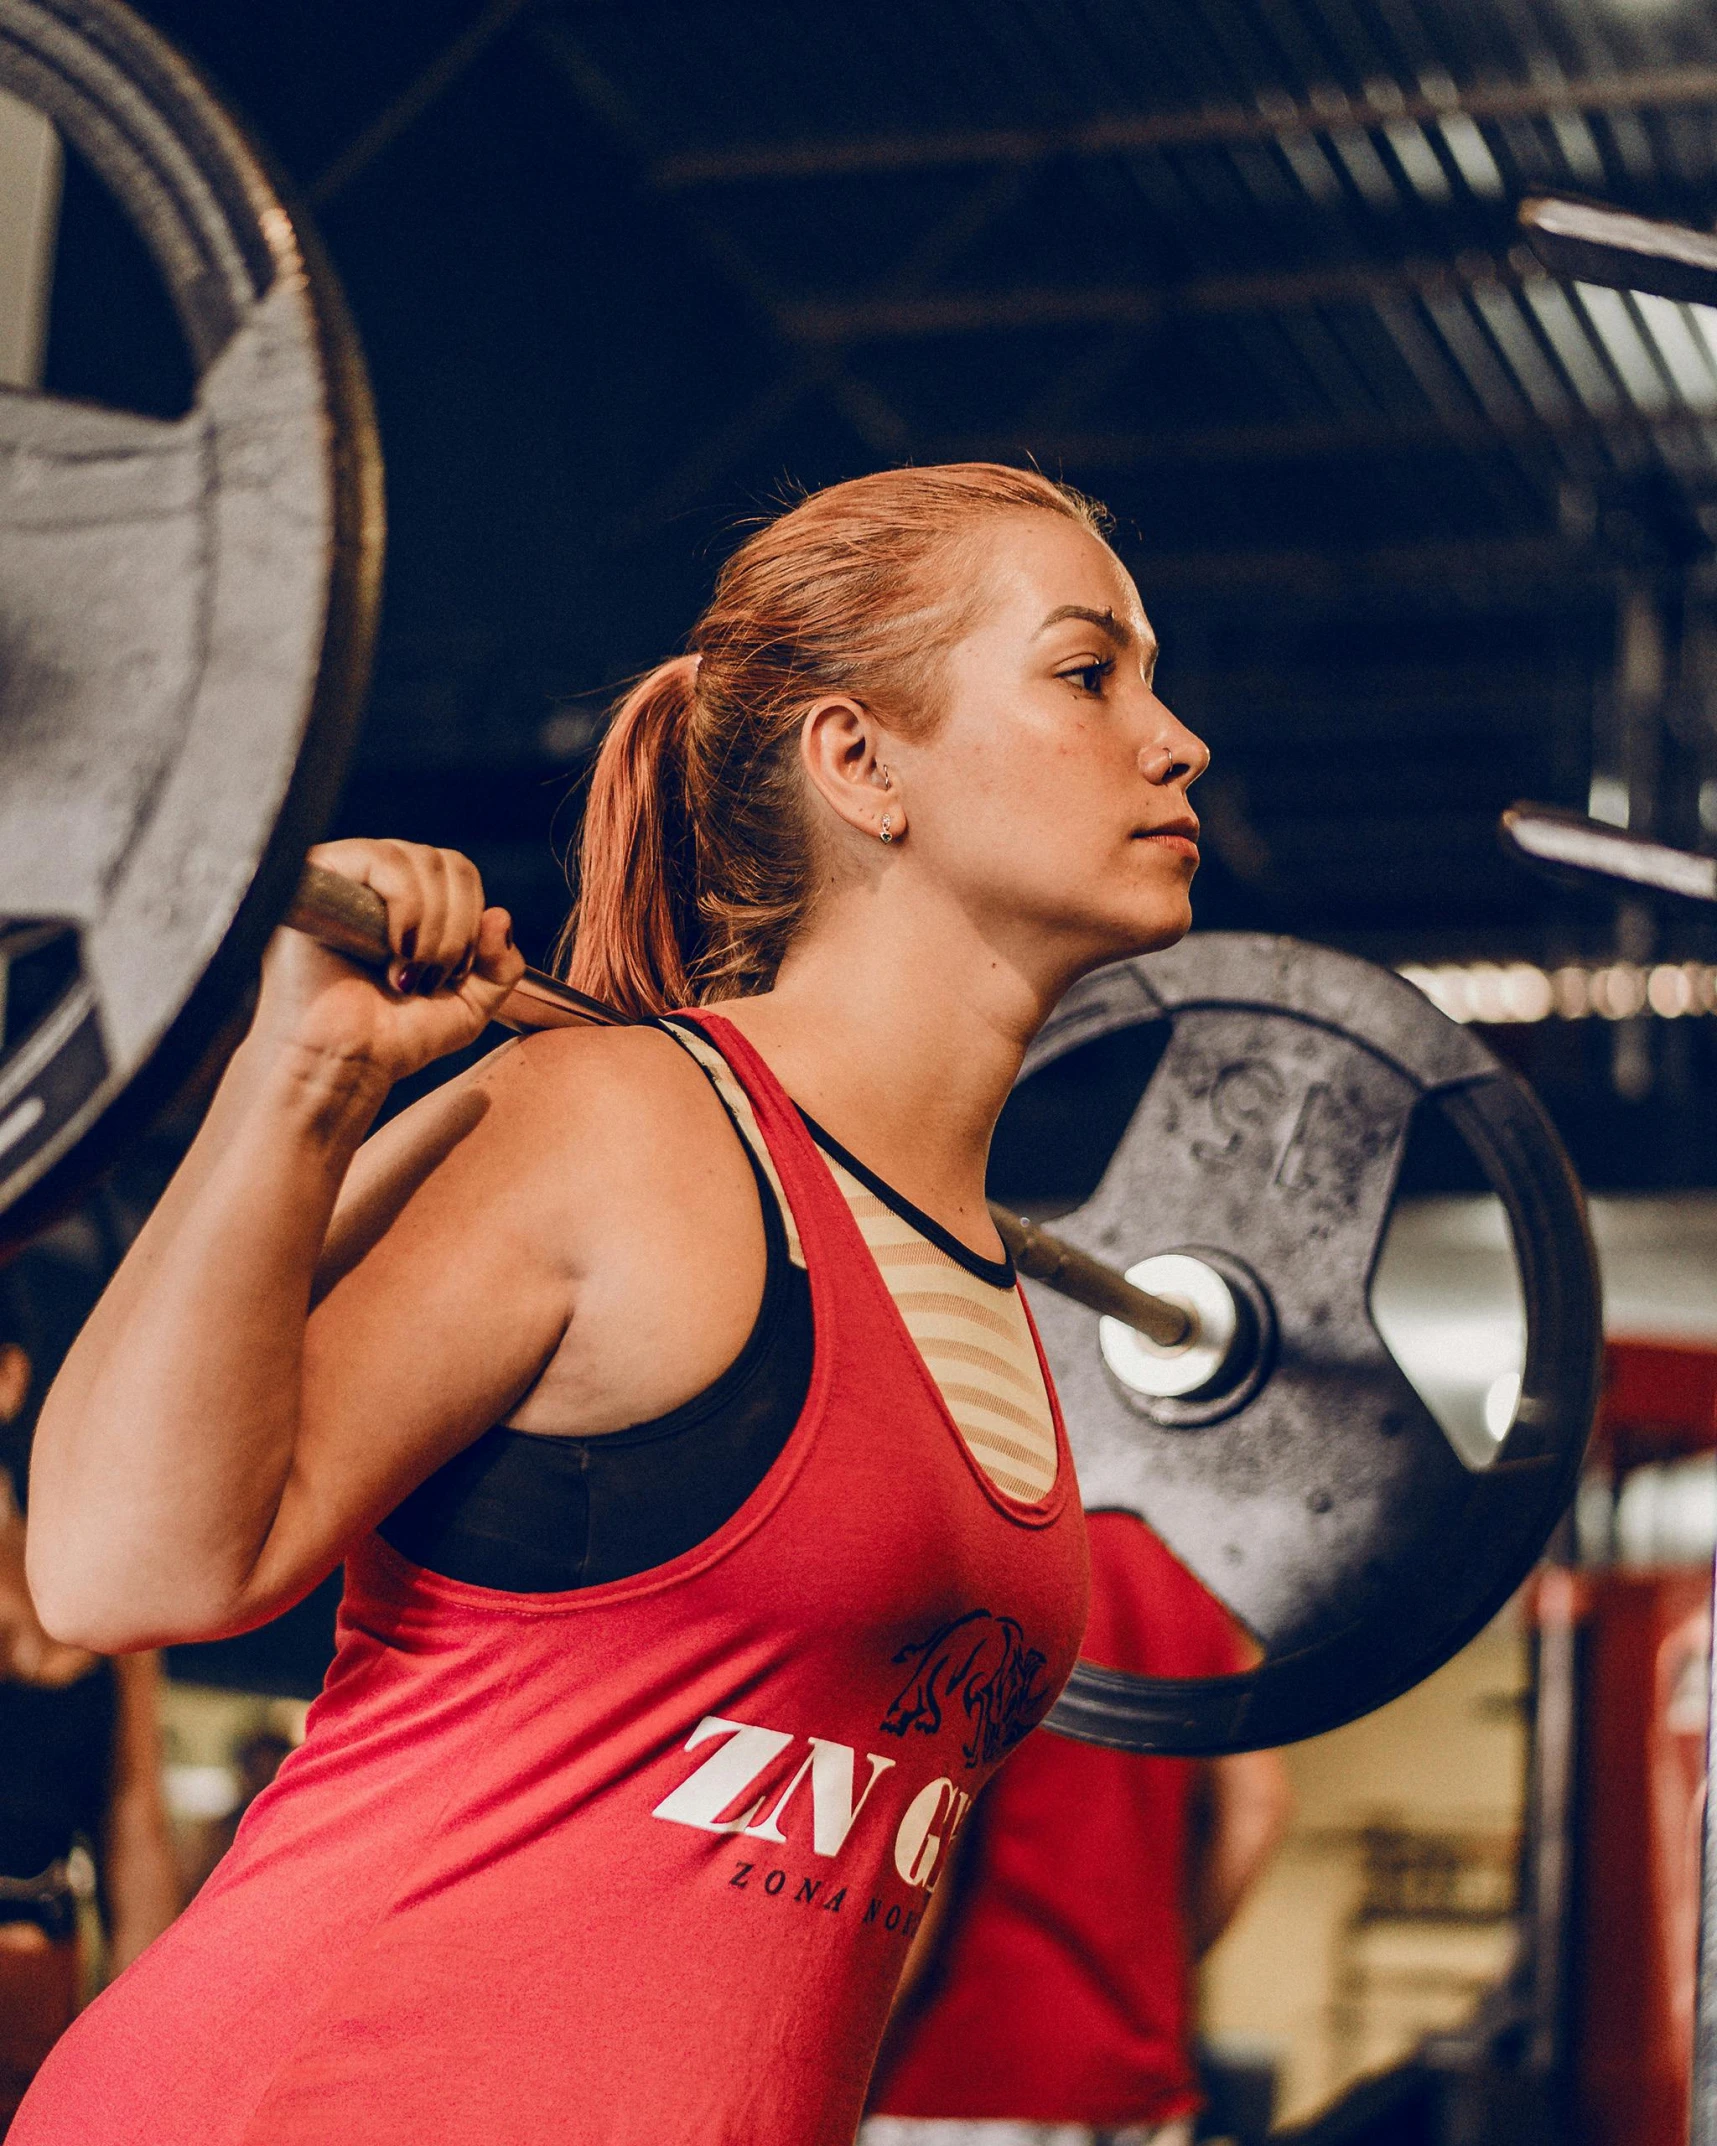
column 695, row 863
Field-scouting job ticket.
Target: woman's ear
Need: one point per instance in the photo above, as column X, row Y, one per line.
column 842, row 748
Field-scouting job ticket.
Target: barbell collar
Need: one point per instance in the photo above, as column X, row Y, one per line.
column 1043, row 1257
column 352, row 919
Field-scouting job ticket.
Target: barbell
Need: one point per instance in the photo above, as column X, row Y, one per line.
column 353, row 920
column 1231, row 1387
column 186, row 610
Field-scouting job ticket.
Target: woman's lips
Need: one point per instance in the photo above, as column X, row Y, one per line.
column 1183, row 845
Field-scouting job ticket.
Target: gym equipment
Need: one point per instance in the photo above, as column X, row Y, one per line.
column 1606, row 246
column 186, row 610
column 1304, row 1481
column 1272, row 1442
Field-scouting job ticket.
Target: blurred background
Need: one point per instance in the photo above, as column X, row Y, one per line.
column 1423, row 532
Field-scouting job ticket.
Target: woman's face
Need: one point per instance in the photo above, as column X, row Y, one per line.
column 1052, row 794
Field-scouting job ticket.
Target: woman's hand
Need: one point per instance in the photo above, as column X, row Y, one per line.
column 454, row 963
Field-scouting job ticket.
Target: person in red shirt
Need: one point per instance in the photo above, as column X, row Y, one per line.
column 1056, row 2001
column 682, row 1620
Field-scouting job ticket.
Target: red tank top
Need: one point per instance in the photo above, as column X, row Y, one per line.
column 1064, row 1991
column 628, row 1865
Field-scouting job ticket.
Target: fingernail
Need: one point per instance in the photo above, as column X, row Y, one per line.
column 429, row 982
column 403, row 977
column 408, row 943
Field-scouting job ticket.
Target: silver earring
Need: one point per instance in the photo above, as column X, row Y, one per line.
column 885, row 832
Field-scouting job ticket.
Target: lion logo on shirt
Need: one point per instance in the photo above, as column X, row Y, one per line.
column 981, row 1665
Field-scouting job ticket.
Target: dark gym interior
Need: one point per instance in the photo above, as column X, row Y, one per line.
column 1424, row 530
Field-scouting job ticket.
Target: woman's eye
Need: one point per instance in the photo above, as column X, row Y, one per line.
column 1089, row 677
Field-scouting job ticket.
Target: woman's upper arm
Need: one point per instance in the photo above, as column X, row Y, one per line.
column 577, row 1198
column 451, row 1286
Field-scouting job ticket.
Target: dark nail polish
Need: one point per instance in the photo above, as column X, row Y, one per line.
column 429, row 982
column 408, row 943
column 405, row 977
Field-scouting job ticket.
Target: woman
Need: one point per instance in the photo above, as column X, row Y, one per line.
column 688, row 1601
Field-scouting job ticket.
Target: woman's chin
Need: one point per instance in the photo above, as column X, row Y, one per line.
column 1166, row 921
column 1168, row 935
column 1165, row 926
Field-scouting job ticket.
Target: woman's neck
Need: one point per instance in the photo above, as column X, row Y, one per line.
column 903, row 1044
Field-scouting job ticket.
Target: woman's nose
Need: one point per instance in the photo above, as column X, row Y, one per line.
column 1174, row 756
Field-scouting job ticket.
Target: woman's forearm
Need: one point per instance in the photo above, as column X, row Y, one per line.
column 166, row 1443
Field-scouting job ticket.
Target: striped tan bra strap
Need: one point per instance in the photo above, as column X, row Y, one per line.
column 964, row 1315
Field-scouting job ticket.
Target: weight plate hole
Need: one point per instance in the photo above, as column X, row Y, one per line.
column 112, row 336
column 38, row 966
column 1447, row 1299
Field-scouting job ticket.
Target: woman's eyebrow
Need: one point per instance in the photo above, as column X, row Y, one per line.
column 1106, row 621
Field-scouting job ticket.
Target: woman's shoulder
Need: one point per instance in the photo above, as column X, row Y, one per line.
column 611, row 1107
column 558, row 1140
column 567, row 1080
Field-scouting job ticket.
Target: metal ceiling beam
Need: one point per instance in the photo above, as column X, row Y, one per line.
column 1272, row 118
column 414, row 100
column 915, row 316
column 1319, row 440
column 870, row 415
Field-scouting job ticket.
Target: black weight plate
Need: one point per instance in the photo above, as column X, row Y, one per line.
column 1324, row 1506
column 186, row 612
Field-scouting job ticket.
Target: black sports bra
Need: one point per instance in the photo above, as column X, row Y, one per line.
column 534, row 1513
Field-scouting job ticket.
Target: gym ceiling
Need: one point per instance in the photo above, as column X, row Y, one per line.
column 1424, row 531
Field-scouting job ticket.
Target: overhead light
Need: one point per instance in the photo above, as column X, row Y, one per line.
column 1607, row 800
column 1504, row 993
